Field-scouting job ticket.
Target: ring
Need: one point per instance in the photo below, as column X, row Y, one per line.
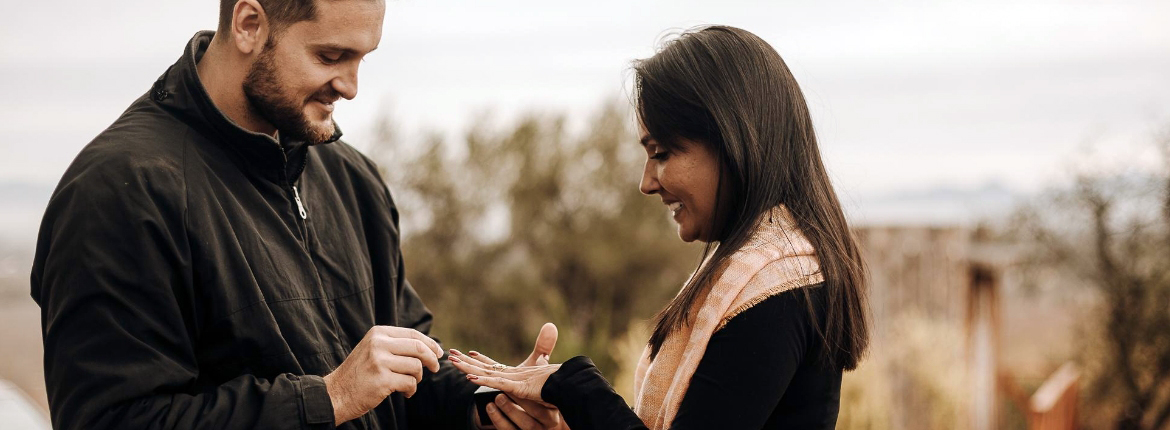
column 499, row 367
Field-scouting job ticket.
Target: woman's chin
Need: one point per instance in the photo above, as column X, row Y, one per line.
column 686, row 234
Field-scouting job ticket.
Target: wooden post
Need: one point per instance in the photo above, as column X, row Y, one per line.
column 983, row 346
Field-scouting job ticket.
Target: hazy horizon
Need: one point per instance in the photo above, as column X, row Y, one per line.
column 906, row 97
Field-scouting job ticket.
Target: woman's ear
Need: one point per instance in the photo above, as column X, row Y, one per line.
column 250, row 27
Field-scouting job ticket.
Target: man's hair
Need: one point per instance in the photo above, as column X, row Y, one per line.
column 281, row 13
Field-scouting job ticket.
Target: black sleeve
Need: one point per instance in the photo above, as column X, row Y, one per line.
column 743, row 374
column 112, row 276
column 586, row 399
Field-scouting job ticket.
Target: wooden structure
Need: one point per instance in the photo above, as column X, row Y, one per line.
column 982, row 327
column 1054, row 405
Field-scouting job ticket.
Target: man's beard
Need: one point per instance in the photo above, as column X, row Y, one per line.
column 271, row 102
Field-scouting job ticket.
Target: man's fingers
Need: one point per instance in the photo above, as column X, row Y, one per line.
column 547, row 416
column 546, row 340
column 517, row 414
column 403, row 332
column 404, row 365
column 404, row 384
column 412, row 348
column 498, row 419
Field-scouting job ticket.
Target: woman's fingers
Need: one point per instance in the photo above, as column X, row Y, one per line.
column 472, row 360
column 512, row 373
column 516, row 388
column 482, row 358
column 467, row 367
column 487, row 368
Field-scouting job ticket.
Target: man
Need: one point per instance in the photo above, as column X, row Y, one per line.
column 216, row 258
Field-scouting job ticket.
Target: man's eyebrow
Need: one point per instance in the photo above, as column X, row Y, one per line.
column 339, row 48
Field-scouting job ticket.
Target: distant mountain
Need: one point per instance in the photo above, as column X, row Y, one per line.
column 24, row 204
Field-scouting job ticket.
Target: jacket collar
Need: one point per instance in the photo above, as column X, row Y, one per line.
column 180, row 91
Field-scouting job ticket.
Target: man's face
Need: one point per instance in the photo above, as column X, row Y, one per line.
column 311, row 64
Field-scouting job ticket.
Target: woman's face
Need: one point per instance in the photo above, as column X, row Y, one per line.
column 687, row 179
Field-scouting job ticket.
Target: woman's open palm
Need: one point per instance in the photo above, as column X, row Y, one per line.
column 521, row 382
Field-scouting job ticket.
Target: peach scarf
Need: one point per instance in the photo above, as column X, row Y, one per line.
column 777, row 258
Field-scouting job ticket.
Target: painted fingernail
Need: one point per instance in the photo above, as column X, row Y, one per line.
column 472, row 377
column 454, row 351
column 453, row 359
column 472, row 353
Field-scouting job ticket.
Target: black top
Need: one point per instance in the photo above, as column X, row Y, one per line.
column 761, row 371
column 181, row 288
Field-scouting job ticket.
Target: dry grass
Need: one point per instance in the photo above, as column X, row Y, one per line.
column 21, row 349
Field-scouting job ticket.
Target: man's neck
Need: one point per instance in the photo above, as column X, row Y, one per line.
column 222, row 74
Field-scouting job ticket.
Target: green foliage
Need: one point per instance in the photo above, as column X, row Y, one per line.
column 507, row 229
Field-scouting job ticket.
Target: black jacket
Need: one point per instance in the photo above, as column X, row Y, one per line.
column 181, row 287
column 764, row 370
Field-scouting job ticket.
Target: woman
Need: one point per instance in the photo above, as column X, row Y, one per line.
column 761, row 333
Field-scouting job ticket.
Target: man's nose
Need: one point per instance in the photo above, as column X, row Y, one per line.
column 346, row 85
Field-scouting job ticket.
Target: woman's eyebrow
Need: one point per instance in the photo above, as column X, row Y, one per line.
column 646, row 140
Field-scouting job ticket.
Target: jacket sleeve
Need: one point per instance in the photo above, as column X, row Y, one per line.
column 112, row 276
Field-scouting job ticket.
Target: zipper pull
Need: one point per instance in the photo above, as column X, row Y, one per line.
column 300, row 206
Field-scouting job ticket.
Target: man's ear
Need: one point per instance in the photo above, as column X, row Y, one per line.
column 250, row 28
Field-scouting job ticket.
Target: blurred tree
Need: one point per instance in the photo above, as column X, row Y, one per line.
column 1112, row 231
column 507, row 229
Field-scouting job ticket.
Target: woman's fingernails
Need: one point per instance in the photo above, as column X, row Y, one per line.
column 472, row 353
column 453, row 359
column 472, row 377
column 454, row 351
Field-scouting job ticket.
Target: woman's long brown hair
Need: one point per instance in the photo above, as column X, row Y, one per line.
column 726, row 88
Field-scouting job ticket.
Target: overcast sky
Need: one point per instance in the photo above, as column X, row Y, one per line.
column 905, row 95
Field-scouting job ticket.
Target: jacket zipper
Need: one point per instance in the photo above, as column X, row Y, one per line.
column 300, row 206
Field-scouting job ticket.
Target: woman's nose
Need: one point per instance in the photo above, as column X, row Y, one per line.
column 649, row 184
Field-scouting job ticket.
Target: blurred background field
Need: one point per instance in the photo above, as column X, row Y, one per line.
column 1006, row 166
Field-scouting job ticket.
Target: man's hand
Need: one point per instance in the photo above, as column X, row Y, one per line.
column 508, row 414
column 387, row 360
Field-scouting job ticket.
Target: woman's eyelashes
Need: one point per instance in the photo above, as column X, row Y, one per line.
column 660, row 155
